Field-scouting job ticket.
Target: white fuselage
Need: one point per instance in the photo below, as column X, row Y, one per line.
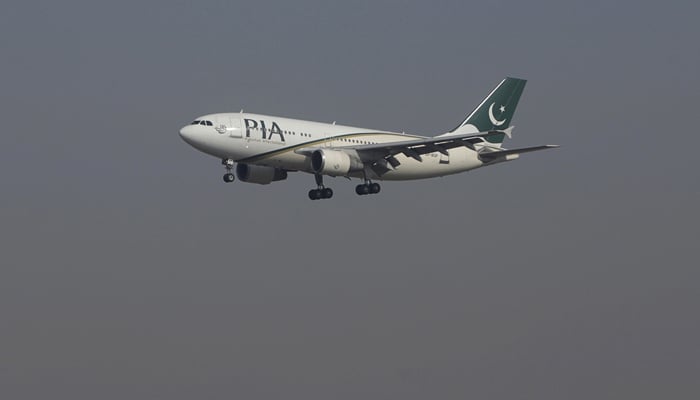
column 279, row 142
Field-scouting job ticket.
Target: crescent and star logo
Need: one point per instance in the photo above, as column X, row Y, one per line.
column 221, row 129
column 493, row 119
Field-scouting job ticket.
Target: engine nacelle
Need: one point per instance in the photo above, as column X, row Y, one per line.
column 334, row 162
column 259, row 174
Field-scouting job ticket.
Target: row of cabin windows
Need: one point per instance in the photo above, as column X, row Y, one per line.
column 202, row 122
column 357, row 141
column 285, row 132
column 302, row 134
column 209, row 123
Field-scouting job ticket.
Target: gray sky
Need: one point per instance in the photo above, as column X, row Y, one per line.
column 129, row 270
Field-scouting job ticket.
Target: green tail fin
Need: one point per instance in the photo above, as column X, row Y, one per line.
column 496, row 111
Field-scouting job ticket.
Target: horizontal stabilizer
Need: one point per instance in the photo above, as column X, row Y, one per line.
column 494, row 155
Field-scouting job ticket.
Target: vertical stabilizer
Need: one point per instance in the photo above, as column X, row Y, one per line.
column 495, row 112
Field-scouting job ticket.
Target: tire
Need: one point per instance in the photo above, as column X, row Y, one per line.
column 327, row 193
column 314, row 194
column 228, row 178
column 374, row 188
column 362, row 189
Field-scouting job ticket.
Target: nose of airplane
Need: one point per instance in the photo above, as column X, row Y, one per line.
column 187, row 133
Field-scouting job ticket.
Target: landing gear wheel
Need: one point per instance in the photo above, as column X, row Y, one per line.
column 362, row 189
column 314, row 194
column 228, row 164
column 228, row 178
column 321, row 192
column 374, row 188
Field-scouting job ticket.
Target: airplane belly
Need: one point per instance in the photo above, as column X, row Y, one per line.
column 290, row 161
column 284, row 159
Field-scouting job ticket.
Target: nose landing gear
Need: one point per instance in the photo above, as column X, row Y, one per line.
column 228, row 164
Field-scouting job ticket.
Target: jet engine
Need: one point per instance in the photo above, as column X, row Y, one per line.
column 259, row 174
column 334, row 162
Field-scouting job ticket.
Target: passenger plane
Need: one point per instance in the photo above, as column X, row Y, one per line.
column 264, row 148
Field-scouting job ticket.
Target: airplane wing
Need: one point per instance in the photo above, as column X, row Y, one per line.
column 417, row 147
column 380, row 156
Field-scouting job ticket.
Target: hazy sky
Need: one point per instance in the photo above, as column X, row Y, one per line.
column 130, row 270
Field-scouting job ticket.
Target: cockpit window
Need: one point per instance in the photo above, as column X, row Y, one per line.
column 202, row 122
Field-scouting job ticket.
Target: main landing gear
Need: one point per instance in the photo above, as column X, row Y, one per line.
column 228, row 164
column 321, row 192
column 367, row 188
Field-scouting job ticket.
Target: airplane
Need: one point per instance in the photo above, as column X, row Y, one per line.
column 265, row 149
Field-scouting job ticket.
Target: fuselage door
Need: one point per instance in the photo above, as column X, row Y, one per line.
column 326, row 136
column 229, row 125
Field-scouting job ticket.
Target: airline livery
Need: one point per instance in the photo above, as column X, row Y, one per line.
column 264, row 149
